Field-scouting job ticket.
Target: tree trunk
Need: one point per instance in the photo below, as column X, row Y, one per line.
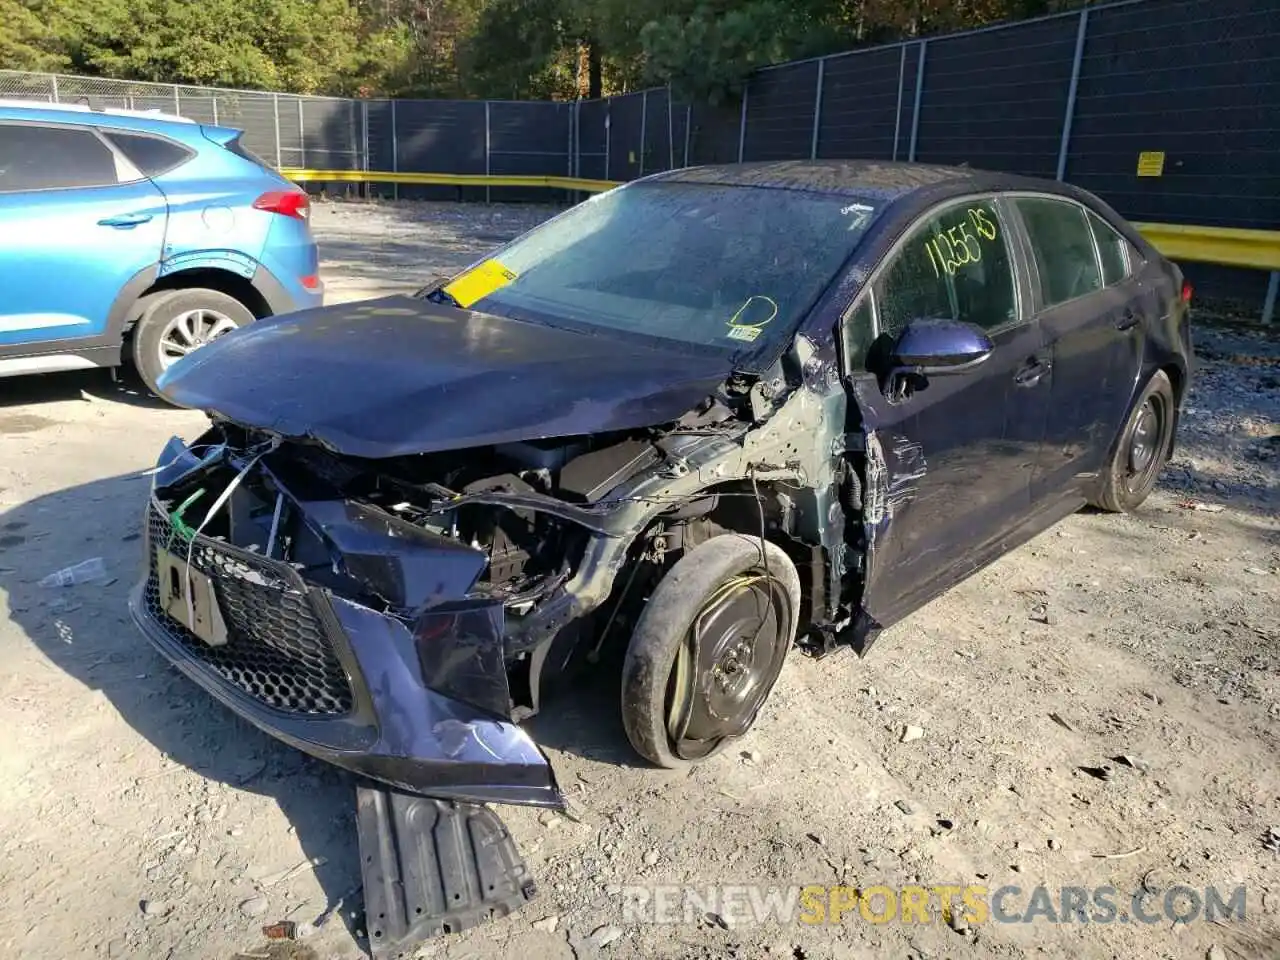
column 595, row 79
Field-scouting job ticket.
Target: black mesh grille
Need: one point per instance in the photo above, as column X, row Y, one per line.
column 277, row 649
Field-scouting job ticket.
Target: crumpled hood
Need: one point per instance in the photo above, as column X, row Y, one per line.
column 402, row 375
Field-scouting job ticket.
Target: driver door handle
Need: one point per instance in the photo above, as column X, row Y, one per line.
column 1032, row 373
column 1128, row 320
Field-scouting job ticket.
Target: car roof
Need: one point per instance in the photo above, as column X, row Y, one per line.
column 873, row 179
column 155, row 121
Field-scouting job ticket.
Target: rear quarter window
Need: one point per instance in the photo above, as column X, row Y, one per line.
column 152, row 155
column 1112, row 250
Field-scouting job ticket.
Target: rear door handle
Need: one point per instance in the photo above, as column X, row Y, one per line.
column 1128, row 320
column 1032, row 373
column 125, row 220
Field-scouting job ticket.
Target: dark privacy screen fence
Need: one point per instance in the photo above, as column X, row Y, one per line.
column 1169, row 109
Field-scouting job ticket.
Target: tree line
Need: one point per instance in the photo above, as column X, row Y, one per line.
column 517, row 49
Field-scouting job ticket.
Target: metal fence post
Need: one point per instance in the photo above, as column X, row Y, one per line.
column 302, row 138
column 214, row 98
column 644, row 123
column 569, row 145
column 897, row 117
column 275, row 106
column 395, row 152
column 742, row 124
column 671, row 132
column 1269, row 304
column 364, row 144
column 1069, row 116
column 688, row 130
column 915, row 110
column 177, row 102
column 608, row 133
column 817, row 109
column 54, row 78
column 487, row 162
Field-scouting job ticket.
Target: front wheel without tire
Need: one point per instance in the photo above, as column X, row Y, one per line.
column 175, row 323
column 708, row 649
column 1141, row 449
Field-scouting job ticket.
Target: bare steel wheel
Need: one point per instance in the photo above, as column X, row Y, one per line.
column 175, row 323
column 1141, row 449
column 708, row 649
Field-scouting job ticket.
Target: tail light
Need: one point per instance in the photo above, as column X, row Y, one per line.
column 1186, row 291
column 287, row 203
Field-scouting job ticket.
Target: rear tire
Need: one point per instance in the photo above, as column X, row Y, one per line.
column 708, row 649
column 1141, row 449
column 174, row 323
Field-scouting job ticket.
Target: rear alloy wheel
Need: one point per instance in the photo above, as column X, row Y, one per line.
column 175, row 323
column 708, row 649
column 1141, row 450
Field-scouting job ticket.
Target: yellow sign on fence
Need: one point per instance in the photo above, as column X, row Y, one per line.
column 1151, row 163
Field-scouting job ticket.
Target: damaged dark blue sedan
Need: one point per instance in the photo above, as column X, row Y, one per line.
column 699, row 420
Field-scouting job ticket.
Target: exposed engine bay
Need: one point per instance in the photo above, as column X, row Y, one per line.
column 565, row 535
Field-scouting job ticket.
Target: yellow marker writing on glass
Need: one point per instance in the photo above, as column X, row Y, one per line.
column 478, row 282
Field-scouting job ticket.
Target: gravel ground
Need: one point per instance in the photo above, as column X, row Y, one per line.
column 1101, row 707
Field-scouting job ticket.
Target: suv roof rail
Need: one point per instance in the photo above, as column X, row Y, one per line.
column 86, row 108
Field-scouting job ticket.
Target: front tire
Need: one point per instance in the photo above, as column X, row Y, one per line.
column 1141, row 450
column 708, row 649
column 174, row 323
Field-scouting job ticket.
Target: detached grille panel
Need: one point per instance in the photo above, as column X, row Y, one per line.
column 278, row 650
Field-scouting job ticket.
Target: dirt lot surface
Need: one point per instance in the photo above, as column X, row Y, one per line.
column 139, row 819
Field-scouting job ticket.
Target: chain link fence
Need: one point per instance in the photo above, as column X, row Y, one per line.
column 1192, row 85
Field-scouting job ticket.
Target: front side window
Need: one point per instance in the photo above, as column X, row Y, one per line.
column 53, row 158
column 1111, row 250
column 955, row 266
column 702, row 266
column 1062, row 243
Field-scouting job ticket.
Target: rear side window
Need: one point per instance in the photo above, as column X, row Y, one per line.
column 1062, row 242
column 955, row 266
column 53, row 158
column 152, row 155
column 1111, row 250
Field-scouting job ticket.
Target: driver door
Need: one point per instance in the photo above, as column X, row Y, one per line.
column 949, row 463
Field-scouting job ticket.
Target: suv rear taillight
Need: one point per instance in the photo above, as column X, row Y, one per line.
column 288, row 203
column 1186, row 291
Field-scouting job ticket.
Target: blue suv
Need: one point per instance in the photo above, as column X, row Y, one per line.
column 138, row 236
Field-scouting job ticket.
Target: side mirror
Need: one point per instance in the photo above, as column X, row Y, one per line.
column 935, row 347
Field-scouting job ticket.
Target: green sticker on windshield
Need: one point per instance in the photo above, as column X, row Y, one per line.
column 748, row 334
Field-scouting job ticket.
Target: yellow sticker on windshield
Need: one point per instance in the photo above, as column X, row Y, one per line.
column 752, row 317
column 478, row 282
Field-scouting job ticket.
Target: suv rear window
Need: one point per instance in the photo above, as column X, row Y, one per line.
column 53, row 158
column 240, row 150
column 152, row 155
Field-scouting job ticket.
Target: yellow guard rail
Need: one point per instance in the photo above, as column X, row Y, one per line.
column 1229, row 246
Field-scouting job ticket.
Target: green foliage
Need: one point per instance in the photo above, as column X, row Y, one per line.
column 454, row 48
column 26, row 42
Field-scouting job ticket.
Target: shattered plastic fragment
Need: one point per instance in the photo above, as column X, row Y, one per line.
column 86, row 571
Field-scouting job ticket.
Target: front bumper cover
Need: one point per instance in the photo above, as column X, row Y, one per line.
column 385, row 721
column 403, row 733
